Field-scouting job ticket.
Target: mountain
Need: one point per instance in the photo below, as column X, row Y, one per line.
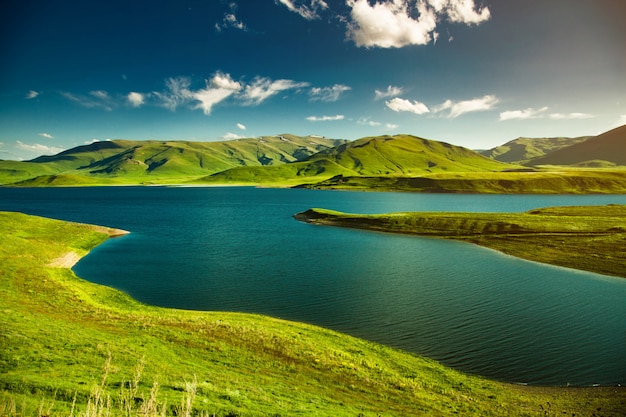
column 605, row 150
column 522, row 149
column 400, row 155
column 145, row 161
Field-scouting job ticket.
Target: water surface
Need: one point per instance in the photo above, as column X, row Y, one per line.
column 239, row 249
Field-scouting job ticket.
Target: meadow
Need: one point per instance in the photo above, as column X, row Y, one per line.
column 70, row 347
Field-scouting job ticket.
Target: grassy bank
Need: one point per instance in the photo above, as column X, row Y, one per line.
column 70, row 347
column 591, row 238
column 551, row 180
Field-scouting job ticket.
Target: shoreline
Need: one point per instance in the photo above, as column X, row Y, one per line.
column 546, row 239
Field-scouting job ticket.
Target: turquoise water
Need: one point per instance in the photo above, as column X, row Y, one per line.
column 239, row 249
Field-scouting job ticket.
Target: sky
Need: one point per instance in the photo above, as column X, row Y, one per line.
column 474, row 73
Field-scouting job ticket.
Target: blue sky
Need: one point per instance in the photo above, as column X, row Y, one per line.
column 474, row 73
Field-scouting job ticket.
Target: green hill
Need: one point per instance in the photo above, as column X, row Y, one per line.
column 162, row 161
column 406, row 155
column 400, row 155
column 522, row 150
column 605, row 150
column 73, row 348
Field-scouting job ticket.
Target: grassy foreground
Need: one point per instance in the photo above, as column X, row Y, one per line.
column 72, row 348
column 590, row 238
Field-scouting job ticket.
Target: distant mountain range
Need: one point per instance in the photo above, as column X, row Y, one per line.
column 605, row 150
column 523, row 150
column 296, row 160
column 157, row 161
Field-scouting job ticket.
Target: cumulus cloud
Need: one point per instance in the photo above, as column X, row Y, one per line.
column 461, row 11
column 458, row 108
column 570, row 116
column 32, row 94
column 307, row 9
column 328, row 94
column 325, row 118
column 136, row 99
column 263, row 88
column 241, row 126
column 46, row 135
column 218, row 88
column 38, row 148
column 391, row 91
column 399, row 104
column 398, row 23
column 528, row 113
column 389, row 24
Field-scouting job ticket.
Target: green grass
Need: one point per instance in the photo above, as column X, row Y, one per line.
column 556, row 180
column 591, row 238
column 150, row 162
column 58, row 331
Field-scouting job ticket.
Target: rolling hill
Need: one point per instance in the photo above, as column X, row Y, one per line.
column 606, row 149
column 147, row 161
column 400, row 155
column 522, row 149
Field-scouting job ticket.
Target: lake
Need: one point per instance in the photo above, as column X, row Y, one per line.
column 239, row 249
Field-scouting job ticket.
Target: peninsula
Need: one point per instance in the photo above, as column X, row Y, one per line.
column 590, row 238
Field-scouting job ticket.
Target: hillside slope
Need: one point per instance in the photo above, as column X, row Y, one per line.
column 140, row 161
column 606, row 149
column 406, row 155
column 522, row 149
column 400, row 155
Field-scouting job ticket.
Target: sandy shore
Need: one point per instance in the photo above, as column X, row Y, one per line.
column 69, row 259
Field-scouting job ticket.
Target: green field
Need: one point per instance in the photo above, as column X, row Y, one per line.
column 591, row 238
column 70, row 347
column 555, row 180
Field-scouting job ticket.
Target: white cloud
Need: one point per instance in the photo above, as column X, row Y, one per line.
column 399, row 104
column 328, row 93
column 231, row 21
column 263, row 88
column 177, row 93
column 325, row 118
column 398, row 23
column 461, row 11
column 392, row 91
column 38, row 148
column 32, row 94
column 100, row 94
column 389, row 24
column 467, row 106
column 220, row 87
column 46, row 135
column 391, row 126
column 528, row 113
column 366, row 121
column 232, row 136
column 136, row 99
column 308, row 11
column 95, row 99
column 570, row 116
column 241, row 126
